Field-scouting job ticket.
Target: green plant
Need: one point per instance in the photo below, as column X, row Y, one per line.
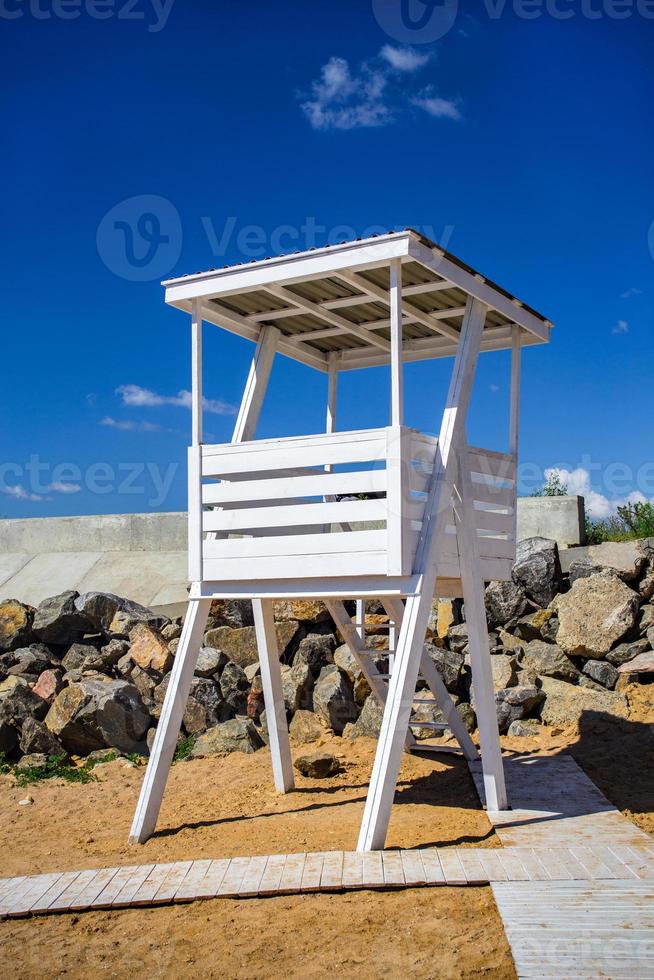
column 56, row 767
column 184, row 748
column 4, row 765
column 639, row 518
column 135, row 757
column 632, row 521
column 553, row 488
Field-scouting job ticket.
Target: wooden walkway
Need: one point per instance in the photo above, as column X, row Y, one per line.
column 600, row 926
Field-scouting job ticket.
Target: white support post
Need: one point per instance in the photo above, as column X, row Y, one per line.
column 480, row 662
column 416, row 616
column 332, row 391
column 256, row 385
column 514, row 420
column 395, row 303
column 196, row 373
column 271, row 679
column 172, row 712
column 360, row 619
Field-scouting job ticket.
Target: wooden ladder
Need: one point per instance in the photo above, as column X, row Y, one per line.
column 354, row 636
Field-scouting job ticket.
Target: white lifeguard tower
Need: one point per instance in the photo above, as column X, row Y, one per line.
column 390, row 514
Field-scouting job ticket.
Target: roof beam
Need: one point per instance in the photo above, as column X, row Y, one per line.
column 426, row 319
column 338, row 321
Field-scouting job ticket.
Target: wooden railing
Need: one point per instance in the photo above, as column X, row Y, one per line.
column 341, row 504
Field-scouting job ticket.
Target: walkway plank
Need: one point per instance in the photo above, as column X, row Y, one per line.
column 412, row 866
column 312, row 872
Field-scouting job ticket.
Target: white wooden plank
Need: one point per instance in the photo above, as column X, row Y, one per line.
column 312, row 872
column 472, row 866
column 513, row 865
column 352, row 869
column 452, row 867
column 393, row 870
column 92, row 889
column 303, row 514
column 332, row 871
column 12, row 887
column 373, row 869
column 291, row 566
column 431, row 862
column 256, row 384
column 192, row 880
column 253, row 876
column 395, row 305
column 66, row 899
column 234, row 875
column 43, row 903
column 339, row 542
column 208, row 887
column 272, row 875
column 126, row 894
column 414, row 872
column 196, row 372
column 150, row 885
column 531, row 863
column 320, row 485
column 291, row 880
column 35, row 887
column 105, row 898
column 492, row 865
column 172, row 881
column 290, row 454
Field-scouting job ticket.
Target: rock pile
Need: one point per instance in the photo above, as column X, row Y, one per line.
column 86, row 673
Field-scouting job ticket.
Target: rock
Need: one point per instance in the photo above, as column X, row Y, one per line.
column 641, row 664
column 625, row 652
column 595, row 614
column 33, row 760
column 537, row 569
column 145, row 682
column 318, row 765
column 504, row 672
column 33, row 659
column 317, row 650
column 424, row 710
column 566, row 704
column 505, row 601
column 304, row 610
column 240, row 645
column 305, row 727
column 8, row 738
column 205, row 706
column 96, row 714
column 368, row 724
column 58, row 621
column 509, row 642
column 148, row 649
column 255, row 702
column 447, row 615
column 234, row 687
column 457, row 638
column 18, row 702
column 529, row 728
column 99, row 608
column 589, row 683
column 106, row 657
column 601, row 672
column 548, row 660
column 346, row 661
column 646, row 619
column 549, row 630
column 130, row 615
column 513, row 703
column 624, row 558
column 297, row 682
column 15, row 624
column 172, row 631
column 252, row 671
column 236, row 735
column 36, row 737
column 235, row 613
column 26, row 802
column 124, row 665
column 646, row 587
column 468, row 715
column 531, row 627
column 448, row 663
column 333, row 699
column 76, row 656
column 210, row 662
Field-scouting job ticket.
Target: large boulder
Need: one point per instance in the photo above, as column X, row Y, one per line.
column 305, row 727
column 210, row 662
column 304, row 610
column 505, row 601
column 297, row 683
column 240, row 645
column 514, row 703
column 148, row 649
column 33, row 659
column 624, row 652
column 641, row 664
column 48, row 685
column 595, row 614
column 317, row 765
column 333, row 699
column 565, row 703
column 58, row 621
column 99, row 608
column 205, row 706
column 625, row 558
column 316, row 650
column 36, row 737
column 15, row 624
column 601, row 672
column 234, row 687
column 448, row 663
column 368, row 724
column 235, row 613
column 96, row 714
column 548, row 660
column 18, row 702
column 537, row 569
column 236, row 735
column 130, row 614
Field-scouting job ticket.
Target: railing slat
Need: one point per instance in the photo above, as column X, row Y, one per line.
column 321, row 485
column 294, row 514
column 296, row 544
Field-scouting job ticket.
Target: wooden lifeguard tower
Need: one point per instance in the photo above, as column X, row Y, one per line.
column 390, row 514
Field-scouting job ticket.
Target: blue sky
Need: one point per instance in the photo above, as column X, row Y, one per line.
column 519, row 134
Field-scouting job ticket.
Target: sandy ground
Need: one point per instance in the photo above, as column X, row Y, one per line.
column 227, row 807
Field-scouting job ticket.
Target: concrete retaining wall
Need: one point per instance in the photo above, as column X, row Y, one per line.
column 559, row 518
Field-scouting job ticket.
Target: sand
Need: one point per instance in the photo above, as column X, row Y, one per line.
column 228, row 807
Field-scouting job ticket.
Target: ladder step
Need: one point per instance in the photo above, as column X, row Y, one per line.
column 426, row 701
column 434, row 725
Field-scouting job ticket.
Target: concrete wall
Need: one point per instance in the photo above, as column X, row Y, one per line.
column 559, row 518
column 110, row 532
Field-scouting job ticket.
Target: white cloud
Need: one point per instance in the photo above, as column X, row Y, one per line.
column 61, row 486
column 630, row 293
column 621, row 327
column 142, row 397
column 20, row 493
column 127, row 425
column 494, row 388
column 598, row 506
column 404, row 59
column 436, row 106
column 374, row 94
